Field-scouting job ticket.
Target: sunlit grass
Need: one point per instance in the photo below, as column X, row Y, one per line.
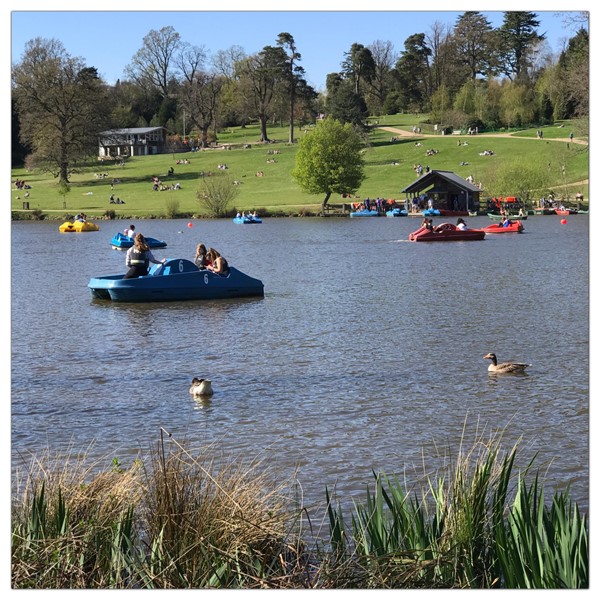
column 276, row 190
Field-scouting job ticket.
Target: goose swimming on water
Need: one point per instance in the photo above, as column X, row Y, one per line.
column 505, row 367
column 201, row 387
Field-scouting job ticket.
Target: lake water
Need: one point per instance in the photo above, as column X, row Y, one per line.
column 365, row 353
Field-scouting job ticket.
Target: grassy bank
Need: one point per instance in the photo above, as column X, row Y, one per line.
column 181, row 521
column 389, row 168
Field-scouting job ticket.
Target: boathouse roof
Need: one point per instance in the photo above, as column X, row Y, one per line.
column 436, row 178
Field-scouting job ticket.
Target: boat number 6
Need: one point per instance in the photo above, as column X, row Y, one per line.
column 181, row 266
column 206, row 278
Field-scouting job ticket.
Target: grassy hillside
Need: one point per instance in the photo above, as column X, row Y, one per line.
column 389, row 168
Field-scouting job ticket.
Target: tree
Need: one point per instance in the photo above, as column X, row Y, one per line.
column 293, row 71
column 260, row 76
column 413, row 70
column 442, row 54
column 574, row 65
column 472, row 39
column 514, row 179
column 62, row 106
column 440, row 105
column 358, row 65
column 517, row 37
column 329, row 160
column 345, row 105
column 384, row 59
column 200, row 91
column 517, row 106
column 152, row 64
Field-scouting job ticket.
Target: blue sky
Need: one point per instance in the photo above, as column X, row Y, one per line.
column 108, row 39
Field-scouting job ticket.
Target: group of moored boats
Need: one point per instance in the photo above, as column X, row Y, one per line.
column 394, row 212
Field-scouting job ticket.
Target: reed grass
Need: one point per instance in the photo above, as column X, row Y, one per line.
column 184, row 520
column 468, row 528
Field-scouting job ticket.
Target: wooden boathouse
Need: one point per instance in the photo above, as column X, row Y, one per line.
column 446, row 189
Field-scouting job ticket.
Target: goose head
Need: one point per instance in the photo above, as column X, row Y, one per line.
column 491, row 356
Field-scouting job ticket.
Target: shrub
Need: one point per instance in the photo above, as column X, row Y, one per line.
column 172, row 208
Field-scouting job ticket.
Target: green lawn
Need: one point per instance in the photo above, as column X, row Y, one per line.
column 276, row 191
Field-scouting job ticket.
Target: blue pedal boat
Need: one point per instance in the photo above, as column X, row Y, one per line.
column 364, row 213
column 176, row 279
column 431, row 212
column 247, row 220
column 397, row 212
column 124, row 242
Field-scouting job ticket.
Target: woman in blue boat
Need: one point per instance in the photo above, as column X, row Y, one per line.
column 200, row 259
column 218, row 264
column 139, row 257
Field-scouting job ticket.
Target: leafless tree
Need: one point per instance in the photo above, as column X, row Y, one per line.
column 153, row 63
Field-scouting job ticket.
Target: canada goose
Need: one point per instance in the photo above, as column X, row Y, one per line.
column 505, row 367
column 201, row 387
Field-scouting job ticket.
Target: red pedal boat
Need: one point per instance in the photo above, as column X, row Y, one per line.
column 513, row 227
column 446, row 232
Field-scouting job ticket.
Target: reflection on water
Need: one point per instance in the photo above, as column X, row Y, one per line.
column 365, row 353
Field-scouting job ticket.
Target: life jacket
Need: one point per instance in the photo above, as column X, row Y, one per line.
column 139, row 258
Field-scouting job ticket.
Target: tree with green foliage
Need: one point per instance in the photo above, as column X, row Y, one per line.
column 574, row 68
column 293, row 72
column 517, row 38
column 358, row 66
column 412, row 71
column 517, row 106
column 62, row 106
column 329, row 160
column 514, row 179
column 472, row 40
column 345, row 105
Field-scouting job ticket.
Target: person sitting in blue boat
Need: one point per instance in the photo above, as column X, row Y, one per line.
column 218, row 264
column 131, row 231
column 139, row 257
column 200, row 259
